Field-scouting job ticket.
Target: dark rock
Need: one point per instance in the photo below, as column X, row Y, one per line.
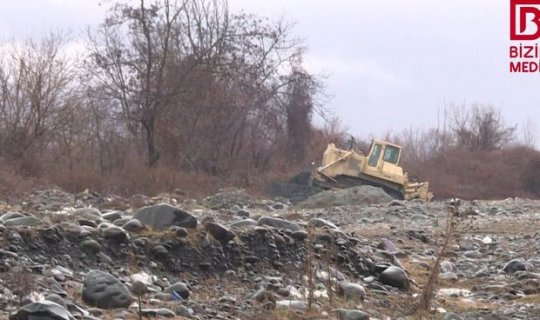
column 45, row 310
column 278, row 223
column 161, row 312
column 162, row 216
column 300, row 235
column 160, row 251
column 179, row 231
column 90, row 246
column 219, row 232
column 112, row 216
column 52, row 234
column 115, row 233
column 242, row 213
column 395, row 277
column 105, row 291
column 515, row 265
column 180, row 288
column 133, row 225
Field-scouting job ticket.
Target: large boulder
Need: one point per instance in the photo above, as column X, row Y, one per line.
column 44, row 310
column 395, row 277
column 105, row 291
column 515, row 265
column 163, row 216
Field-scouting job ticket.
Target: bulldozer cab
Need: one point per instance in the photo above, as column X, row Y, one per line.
column 381, row 152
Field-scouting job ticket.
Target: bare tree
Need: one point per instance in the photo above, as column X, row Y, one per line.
column 36, row 88
column 529, row 133
column 482, row 129
column 130, row 54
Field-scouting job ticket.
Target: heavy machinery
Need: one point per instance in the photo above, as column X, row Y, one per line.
column 346, row 168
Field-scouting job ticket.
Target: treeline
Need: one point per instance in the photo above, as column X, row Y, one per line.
column 473, row 154
column 186, row 95
column 166, row 94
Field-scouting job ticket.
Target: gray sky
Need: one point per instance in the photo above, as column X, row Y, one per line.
column 391, row 64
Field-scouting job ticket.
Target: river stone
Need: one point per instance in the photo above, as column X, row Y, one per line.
column 346, row 314
column 219, row 232
column 322, row 223
column 278, row 223
column 133, row 225
column 387, row 245
column 515, row 265
column 353, row 291
column 163, row 216
column 112, row 216
column 88, row 213
column 115, row 233
column 395, row 277
column 180, row 288
column 28, row 221
column 161, row 312
column 244, row 224
column 44, row 310
column 447, row 266
column 105, row 291
column 10, row 215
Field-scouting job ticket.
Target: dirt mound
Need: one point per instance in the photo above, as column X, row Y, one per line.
column 360, row 195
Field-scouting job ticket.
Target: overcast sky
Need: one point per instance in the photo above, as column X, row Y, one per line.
column 391, row 64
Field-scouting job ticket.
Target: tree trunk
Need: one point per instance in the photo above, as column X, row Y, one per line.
column 153, row 152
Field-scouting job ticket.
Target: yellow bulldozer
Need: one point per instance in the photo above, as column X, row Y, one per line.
column 380, row 167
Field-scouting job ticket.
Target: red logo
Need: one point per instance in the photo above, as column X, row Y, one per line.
column 524, row 19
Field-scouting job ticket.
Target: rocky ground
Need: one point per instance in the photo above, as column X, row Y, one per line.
column 355, row 254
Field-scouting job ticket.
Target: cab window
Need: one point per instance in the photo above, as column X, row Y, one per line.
column 374, row 157
column 391, row 154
